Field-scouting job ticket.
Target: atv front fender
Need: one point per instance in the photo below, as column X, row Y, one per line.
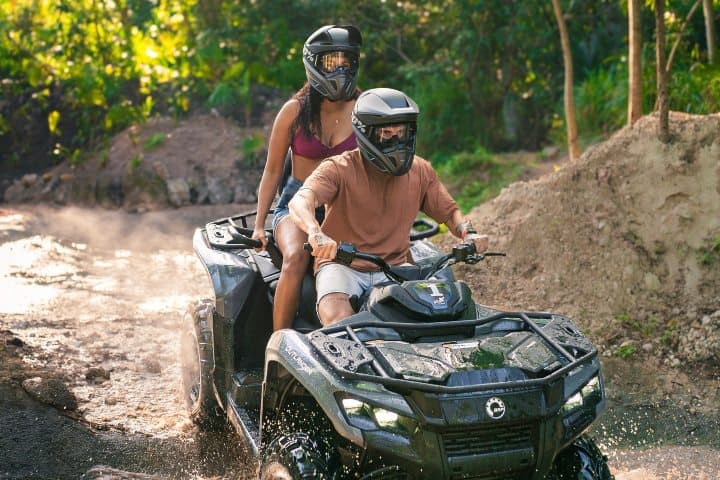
column 293, row 352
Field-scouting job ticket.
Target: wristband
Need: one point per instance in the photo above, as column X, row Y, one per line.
column 464, row 228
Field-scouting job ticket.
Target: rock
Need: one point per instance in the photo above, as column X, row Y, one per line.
column 161, row 170
column 652, row 282
column 95, row 374
column 706, row 320
column 66, row 177
column 51, row 391
column 29, row 179
column 51, row 185
column 244, row 194
column 178, row 192
column 648, row 347
column 199, row 192
column 15, row 193
column 218, row 191
column 153, row 366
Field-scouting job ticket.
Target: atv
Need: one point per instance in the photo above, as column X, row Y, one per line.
column 421, row 382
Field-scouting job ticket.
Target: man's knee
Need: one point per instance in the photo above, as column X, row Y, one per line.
column 334, row 307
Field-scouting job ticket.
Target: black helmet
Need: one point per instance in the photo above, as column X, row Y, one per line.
column 385, row 123
column 331, row 57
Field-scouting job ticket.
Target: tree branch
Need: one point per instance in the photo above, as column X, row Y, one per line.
column 679, row 37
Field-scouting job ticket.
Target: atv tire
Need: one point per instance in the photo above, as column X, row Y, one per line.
column 582, row 460
column 293, row 457
column 196, row 366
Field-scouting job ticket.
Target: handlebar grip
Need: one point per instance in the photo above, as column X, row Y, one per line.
column 239, row 234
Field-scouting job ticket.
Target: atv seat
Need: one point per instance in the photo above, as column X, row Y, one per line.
column 306, row 319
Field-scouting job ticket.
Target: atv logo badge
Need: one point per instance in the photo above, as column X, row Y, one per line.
column 438, row 297
column 495, row 408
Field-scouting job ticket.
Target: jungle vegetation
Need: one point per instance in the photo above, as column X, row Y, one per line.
column 488, row 74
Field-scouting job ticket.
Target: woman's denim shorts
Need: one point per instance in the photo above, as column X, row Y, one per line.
column 281, row 209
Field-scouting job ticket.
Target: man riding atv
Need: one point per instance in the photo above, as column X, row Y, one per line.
column 372, row 195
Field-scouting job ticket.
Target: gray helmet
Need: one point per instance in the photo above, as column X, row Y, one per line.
column 331, row 56
column 385, row 125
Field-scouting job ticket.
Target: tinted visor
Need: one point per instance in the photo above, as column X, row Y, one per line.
column 392, row 136
column 329, row 62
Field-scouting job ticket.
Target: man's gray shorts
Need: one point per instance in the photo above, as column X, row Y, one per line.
column 337, row 278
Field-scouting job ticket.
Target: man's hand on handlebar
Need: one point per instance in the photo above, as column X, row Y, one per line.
column 322, row 245
column 481, row 242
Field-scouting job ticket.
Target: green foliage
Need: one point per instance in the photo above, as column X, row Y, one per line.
column 475, row 177
column 484, row 72
column 135, row 162
column 668, row 335
column 154, row 141
column 625, row 352
column 251, row 148
column 709, row 255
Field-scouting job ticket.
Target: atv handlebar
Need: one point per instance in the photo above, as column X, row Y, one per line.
column 461, row 253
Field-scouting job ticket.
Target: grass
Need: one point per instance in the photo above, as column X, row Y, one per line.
column 154, row 141
column 710, row 254
column 475, row 177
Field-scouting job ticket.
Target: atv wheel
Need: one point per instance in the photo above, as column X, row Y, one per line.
column 582, row 460
column 293, row 457
column 196, row 365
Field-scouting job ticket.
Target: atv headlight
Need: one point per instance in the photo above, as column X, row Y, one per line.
column 572, row 403
column 393, row 422
column 592, row 387
column 589, row 390
column 385, row 418
column 366, row 417
column 353, row 406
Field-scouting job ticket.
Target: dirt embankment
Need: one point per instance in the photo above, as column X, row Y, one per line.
column 627, row 241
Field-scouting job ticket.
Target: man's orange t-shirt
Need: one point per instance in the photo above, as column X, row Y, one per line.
column 373, row 210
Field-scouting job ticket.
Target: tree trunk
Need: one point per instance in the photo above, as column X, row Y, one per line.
column 710, row 31
column 573, row 145
column 634, row 61
column 662, row 98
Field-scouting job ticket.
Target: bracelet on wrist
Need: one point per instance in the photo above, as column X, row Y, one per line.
column 462, row 226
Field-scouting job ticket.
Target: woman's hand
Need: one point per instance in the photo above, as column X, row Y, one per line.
column 259, row 235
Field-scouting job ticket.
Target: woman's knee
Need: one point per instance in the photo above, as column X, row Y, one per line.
column 295, row 260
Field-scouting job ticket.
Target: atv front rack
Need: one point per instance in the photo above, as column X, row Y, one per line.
column 341, row 347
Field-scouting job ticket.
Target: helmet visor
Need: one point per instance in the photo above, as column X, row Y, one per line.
column 330, row 62
column 393, row 136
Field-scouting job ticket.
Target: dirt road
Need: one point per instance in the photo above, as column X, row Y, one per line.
column 94, row 298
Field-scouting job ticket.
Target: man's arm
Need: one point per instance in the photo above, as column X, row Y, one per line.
column 461, row 227
column 302, row 212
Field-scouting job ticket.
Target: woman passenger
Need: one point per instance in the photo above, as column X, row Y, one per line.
column 314, row 124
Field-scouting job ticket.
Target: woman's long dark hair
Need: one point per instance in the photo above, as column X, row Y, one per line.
column 308, row 118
